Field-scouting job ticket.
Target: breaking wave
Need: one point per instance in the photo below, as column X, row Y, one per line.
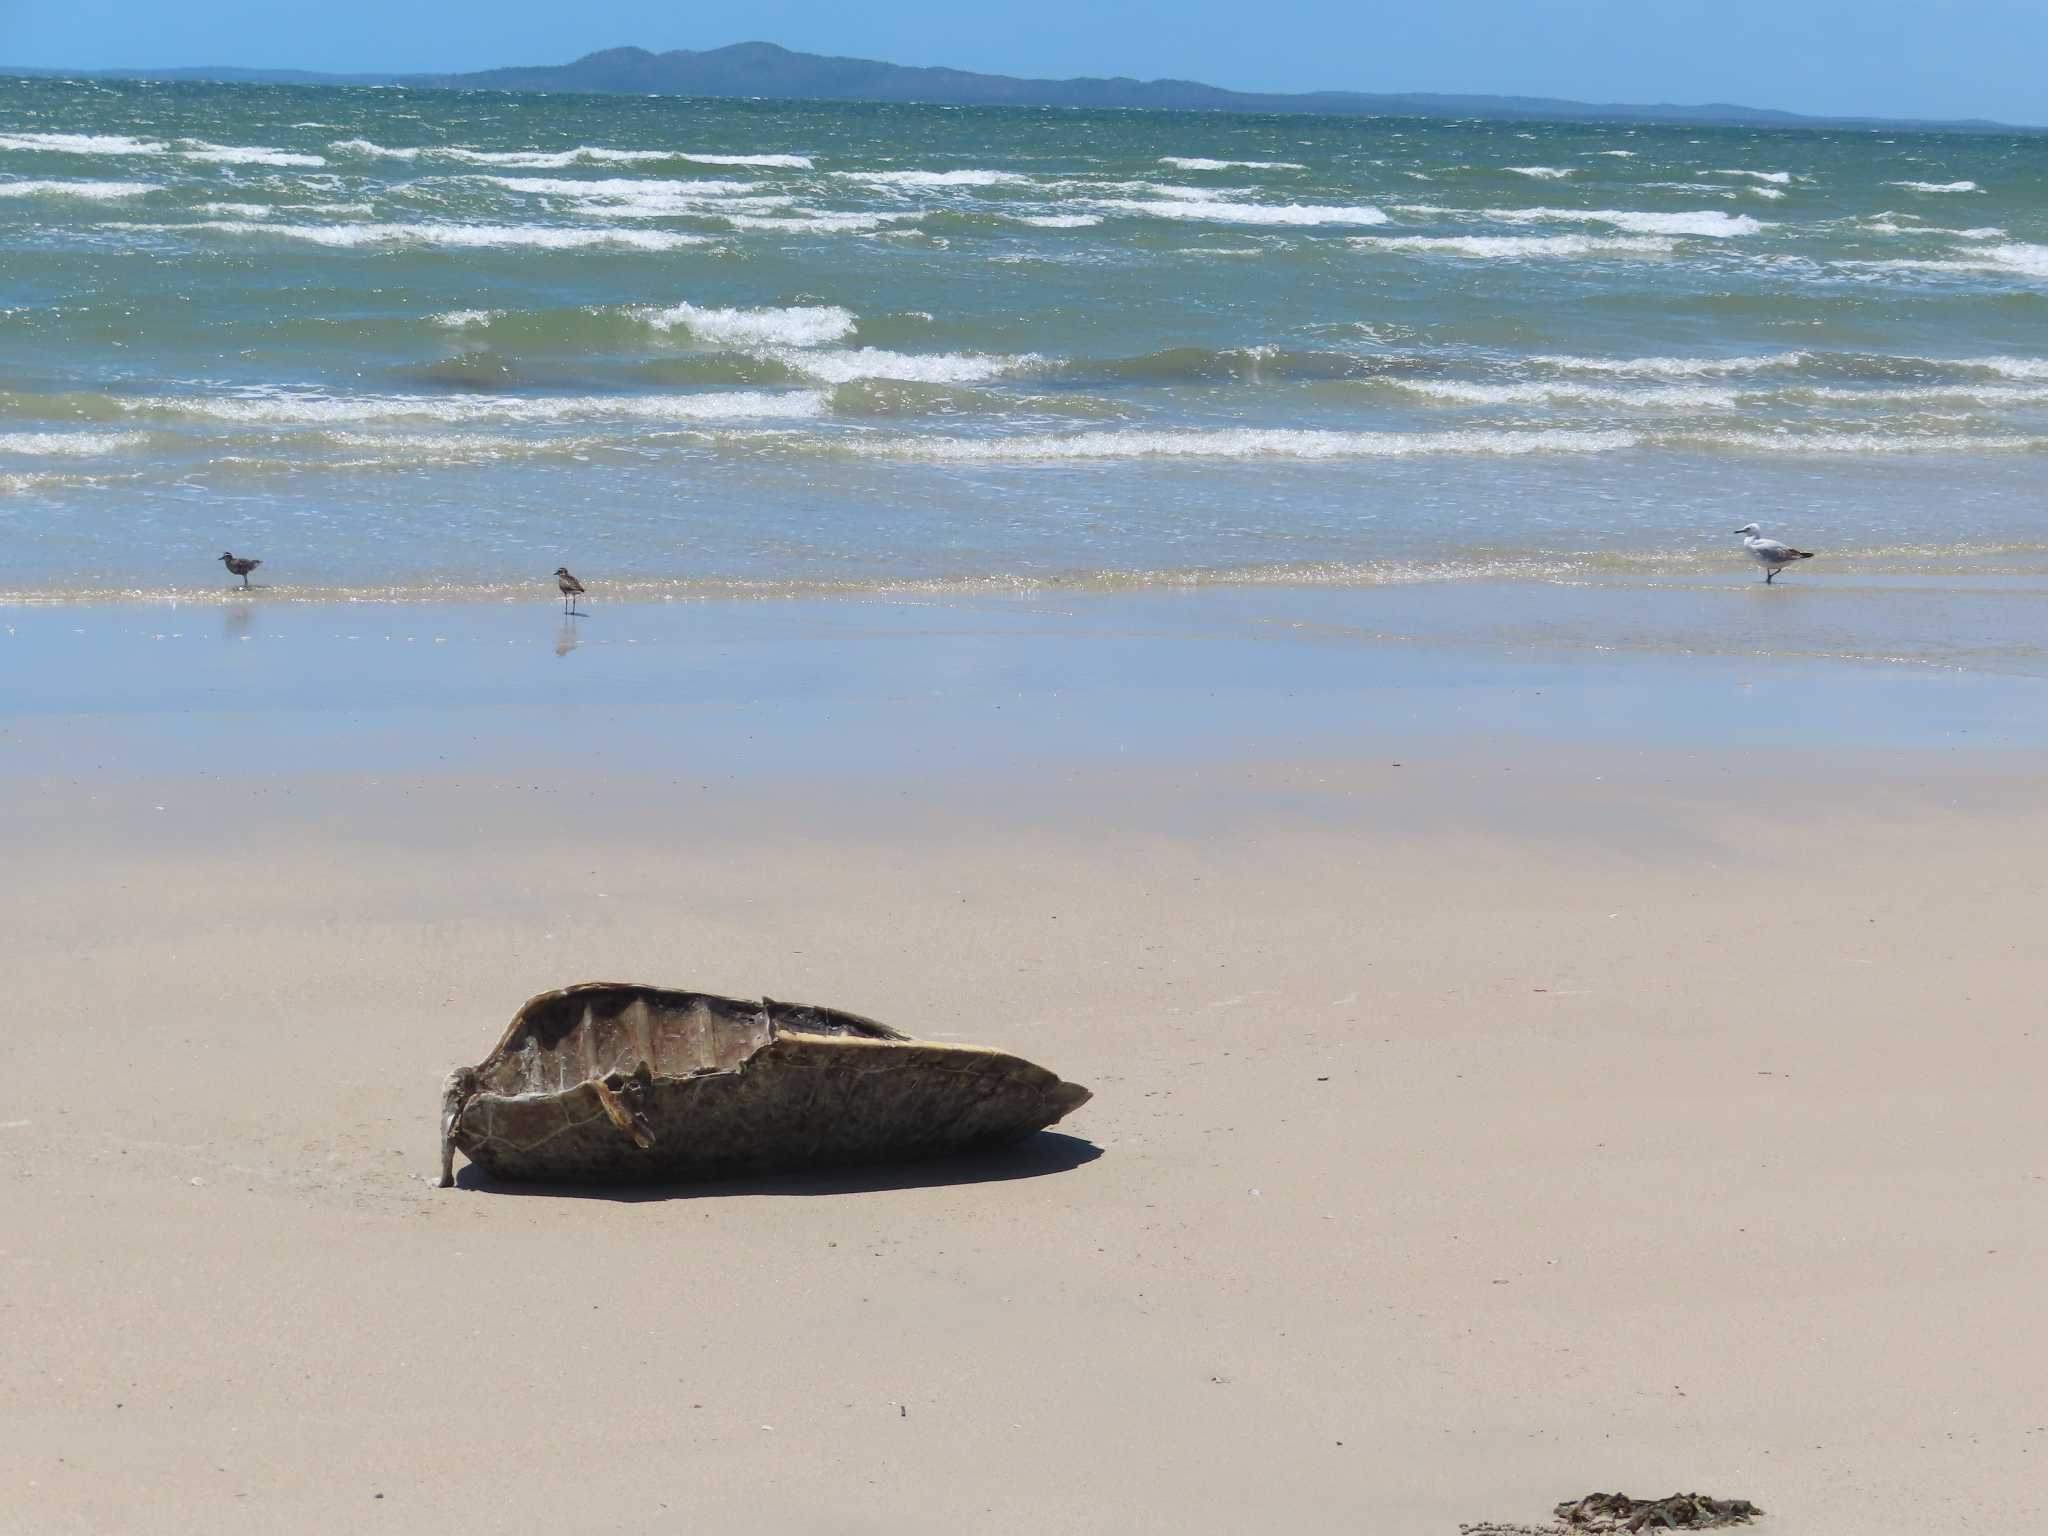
column 804, row 325
column 95, row 191
column 1238, row 443
column 1521, row 247
column 1219, row 211
column 1195, row 163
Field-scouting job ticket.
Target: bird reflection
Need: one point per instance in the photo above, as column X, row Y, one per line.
column 236, row 619
column 565, row 638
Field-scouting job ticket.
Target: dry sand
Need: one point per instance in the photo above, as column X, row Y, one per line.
column 1471, row 1134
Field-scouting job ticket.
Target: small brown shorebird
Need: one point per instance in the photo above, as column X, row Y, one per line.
column 571, row 588
column 237, row 566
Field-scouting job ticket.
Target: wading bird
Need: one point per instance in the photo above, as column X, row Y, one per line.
column 238, row 566
column 571, row 588
column 1769, row 553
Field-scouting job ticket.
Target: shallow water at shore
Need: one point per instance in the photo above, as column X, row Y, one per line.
column 993, row 689
column 431, row 344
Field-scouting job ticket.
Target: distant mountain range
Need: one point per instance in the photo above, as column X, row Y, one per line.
column 764, row 70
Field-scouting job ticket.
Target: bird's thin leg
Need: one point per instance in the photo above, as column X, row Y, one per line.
column 1769, row 577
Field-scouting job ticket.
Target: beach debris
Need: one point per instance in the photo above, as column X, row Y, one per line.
column 1606, row 1512
column 618, row 1081
column 1673, row 1512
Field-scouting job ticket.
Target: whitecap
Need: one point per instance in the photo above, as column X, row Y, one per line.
column 1222, row 212
column 844, row 367
column 1651, row 397
column 1239, row 443
column 1540, row 172
column 365, row 147
column 801, row 325
column 467, row 319
column 1776, row 178
column 1936, row 186
column 1521, row 247
column 238, row 210
column 1709, row 223
column 1196, row 163
column 1060, row 220
column 70, row 445
column 936, row 178
column 554, row 160
column 764, row 162
column 244, row 154
column 818, row 221
column 284, row 408
column 456, row 236
column 80, row 144
column 94, row 191
column 1671, row 367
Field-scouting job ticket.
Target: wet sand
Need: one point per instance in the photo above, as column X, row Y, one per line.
column 1489, row 1108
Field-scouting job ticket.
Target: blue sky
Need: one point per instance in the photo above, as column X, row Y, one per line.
column 1920, row 58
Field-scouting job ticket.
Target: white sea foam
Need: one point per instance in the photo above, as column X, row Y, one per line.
column 1775, row 194
column 818, row 221
column 1707, row 222
column 1060, row 220
column 244, row 154
column 379, row 151
column 1618, row 154
column 1541, row 172
column 2004, row 367
column 1819, row 443
column 1776, row 178
column 1238, row 443
column 47, row 480
column 454, row 236
column 1216, row 210
column 555, row 160
column 616, row 188
column 80, row 144
column 70, row 445
column 1651, row 397
column 290, row 409
column 892, row 179
column 2017, row 257
column 630, row 198
column 1936, row 186
column 844, row 367
column 1521, row 247
column 467, row 319
column 1671, row 367
column 801, row 325
column 92, row 191
column 1196, row 163
column 1982, row 232
column 2013, row 259
column 238, row 210
column 765, row 162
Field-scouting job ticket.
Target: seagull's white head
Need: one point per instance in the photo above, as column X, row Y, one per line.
column 1749, row 531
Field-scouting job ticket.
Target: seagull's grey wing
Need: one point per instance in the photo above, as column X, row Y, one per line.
column 1770, row 549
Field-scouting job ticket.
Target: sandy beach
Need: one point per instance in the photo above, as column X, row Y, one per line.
column 1494, row 1101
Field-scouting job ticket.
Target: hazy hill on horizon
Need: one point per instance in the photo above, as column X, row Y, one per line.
column 768, row 70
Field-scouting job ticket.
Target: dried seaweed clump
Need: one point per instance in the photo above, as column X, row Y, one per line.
column 1605, row 1512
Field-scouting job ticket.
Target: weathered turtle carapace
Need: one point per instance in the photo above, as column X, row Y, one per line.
column 614, row 1081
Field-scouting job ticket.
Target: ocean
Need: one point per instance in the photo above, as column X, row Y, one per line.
column 432, row 344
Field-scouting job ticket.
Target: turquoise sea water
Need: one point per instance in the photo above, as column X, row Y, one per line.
column 438, row 343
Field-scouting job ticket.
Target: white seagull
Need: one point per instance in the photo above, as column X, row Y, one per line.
column 1769, row 553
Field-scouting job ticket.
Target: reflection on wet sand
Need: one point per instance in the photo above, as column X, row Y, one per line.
column 565, row 638
column 236, row 620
